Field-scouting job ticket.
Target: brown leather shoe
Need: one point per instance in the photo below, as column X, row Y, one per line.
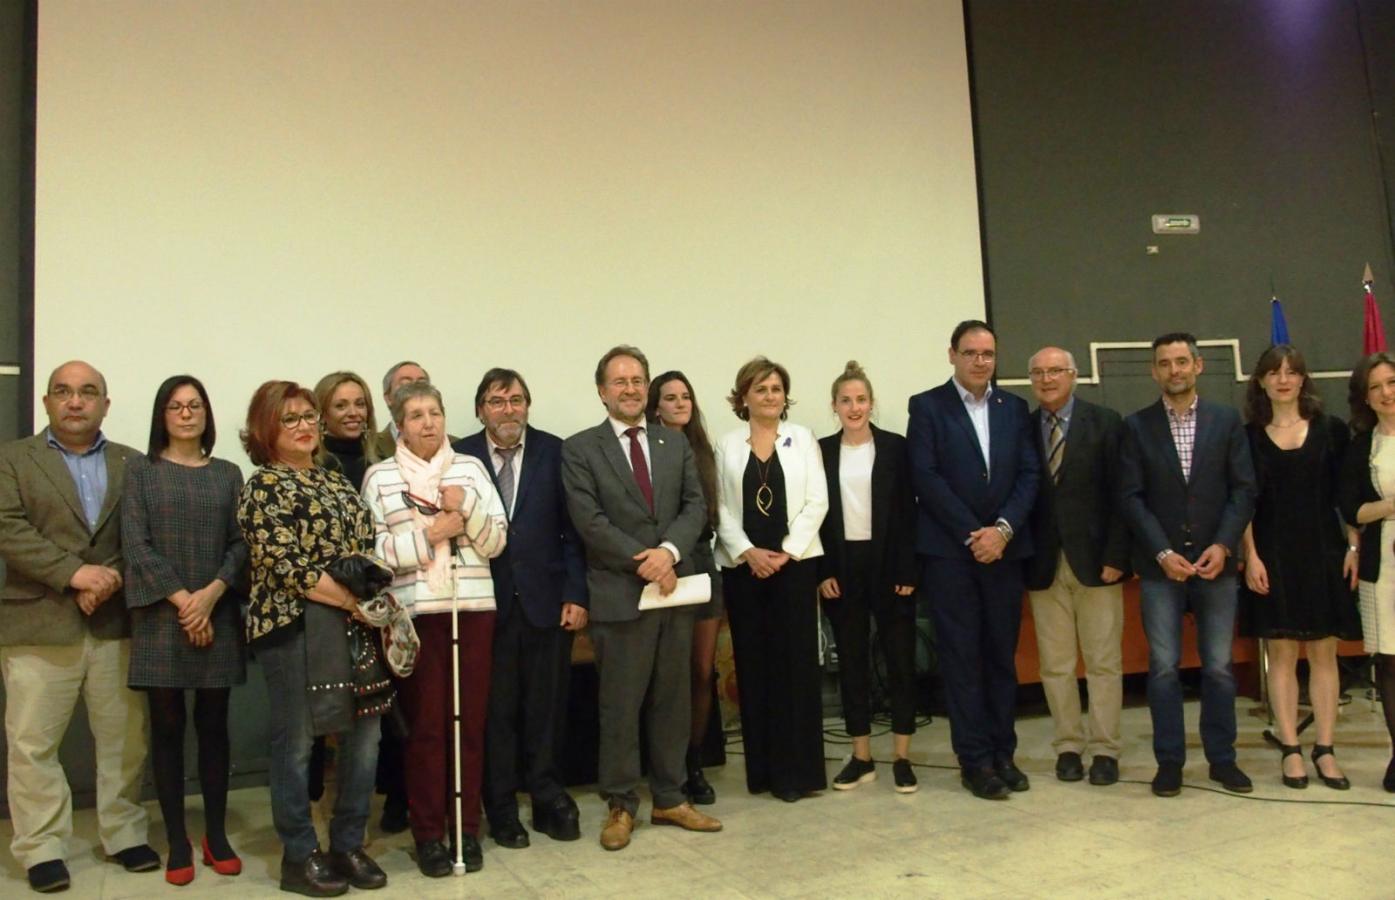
column 684, row 816
column 616, row 833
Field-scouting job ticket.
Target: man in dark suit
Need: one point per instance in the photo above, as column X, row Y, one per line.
column 1187, row 486
column 637, row 503
column 975, row 473
column 1081, row 552
column 64, row 632
column 540, row 591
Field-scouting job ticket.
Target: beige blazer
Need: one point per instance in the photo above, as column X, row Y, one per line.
column 806, row 492
column 44, row 538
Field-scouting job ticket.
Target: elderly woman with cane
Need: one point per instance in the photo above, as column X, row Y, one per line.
column 438, row 521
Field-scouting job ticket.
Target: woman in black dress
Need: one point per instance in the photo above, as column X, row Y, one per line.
column 673, row 403
column 1300, row 560
column 772, row 500
column 183, row 552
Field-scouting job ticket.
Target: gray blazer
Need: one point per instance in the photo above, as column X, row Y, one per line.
column 44, row 538
column 614, row 521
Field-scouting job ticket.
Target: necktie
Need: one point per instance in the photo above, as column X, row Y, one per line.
column 1055, row 448
column 506, row 476
column 640, row 466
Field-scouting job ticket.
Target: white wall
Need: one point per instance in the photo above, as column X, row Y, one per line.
column 248, row 190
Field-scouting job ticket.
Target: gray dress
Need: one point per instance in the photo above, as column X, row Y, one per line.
column 179, row 530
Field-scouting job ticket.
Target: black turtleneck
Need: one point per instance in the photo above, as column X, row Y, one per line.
column 349, row 454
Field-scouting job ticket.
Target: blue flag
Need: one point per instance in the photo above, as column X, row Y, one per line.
column 1278, row 326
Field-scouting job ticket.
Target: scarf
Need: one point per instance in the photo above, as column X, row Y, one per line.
column 423, row 478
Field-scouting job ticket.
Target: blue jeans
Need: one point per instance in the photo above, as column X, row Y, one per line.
column 1214, row 602
column 356, row 760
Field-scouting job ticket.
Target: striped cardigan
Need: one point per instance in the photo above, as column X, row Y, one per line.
column 401, row 544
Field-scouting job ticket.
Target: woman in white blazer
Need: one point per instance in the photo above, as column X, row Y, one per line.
column 772, row 499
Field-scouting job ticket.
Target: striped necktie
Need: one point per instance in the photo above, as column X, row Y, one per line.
column 1055, row 448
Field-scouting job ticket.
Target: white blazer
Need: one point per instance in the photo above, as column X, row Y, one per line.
column 806, row 492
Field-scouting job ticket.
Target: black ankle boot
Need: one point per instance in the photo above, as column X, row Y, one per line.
column 696, row 787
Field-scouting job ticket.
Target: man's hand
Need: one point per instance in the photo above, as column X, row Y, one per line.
column 1176, row 568
column 668, row 584
column 904, row 590
column 573, row 617
column 1109, row 574
column 655, row 564
column 987, row 544
column 88, row 601
column 452, row 497
column 96, row 579
column 1211, row 561
column 828, row 589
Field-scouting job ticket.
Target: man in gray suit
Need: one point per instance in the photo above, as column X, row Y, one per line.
column 64, row 631
column 637, row 503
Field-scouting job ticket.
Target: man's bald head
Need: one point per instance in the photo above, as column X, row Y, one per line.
column 78, row 368
column 76, row 402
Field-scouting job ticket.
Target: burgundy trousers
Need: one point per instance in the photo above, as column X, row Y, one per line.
column 426, row 697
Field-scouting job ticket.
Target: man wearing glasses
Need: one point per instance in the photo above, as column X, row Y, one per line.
column 975, row 472
column 540, row 591
column 64, row 632
column 1075, row 576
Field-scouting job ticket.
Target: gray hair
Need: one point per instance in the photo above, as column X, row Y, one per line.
column 413, row 390
column 392, row 373
column 1070, row 357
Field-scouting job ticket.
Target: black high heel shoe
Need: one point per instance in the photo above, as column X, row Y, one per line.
column 1285, row 751
column 1337, row 784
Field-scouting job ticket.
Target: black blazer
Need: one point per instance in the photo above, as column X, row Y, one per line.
column 542, row 565
column 1080, row 513
column 893, row 513
column 1355, row 488
column 1165, row 510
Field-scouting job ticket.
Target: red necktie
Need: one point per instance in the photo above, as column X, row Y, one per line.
column 640, row 466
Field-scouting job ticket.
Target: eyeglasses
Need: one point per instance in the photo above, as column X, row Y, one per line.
column 194, row 406
column 985, row 356
column 1048, row 374
column 62, row 393
column 498, row 403
column 293, row 420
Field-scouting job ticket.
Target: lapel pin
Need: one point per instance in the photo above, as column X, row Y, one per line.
column 787, row 442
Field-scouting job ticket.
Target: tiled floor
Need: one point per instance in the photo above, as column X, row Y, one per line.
column 1057, row 840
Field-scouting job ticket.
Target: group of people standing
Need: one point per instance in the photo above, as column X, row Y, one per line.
column 499, row 547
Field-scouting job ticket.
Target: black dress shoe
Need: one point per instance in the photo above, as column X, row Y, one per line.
column 314, row 877
column 984, row 783
column 790, row 796
column 48, row 877
column 140, row 858
column 394, row 820
column 1013, row 777
column 359, row 868
column 473, row 855
column 1168, row 781
column 1104, row 770
column 697, row 788
column 1069, row 766
column 433, row 859
column 509, row 833
column 1229, row 776
column 558, row 819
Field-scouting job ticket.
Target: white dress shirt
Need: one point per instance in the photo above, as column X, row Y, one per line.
column 978, row 415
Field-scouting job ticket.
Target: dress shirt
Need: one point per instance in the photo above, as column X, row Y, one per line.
column 978, row 415
column 1062, row 415
column 620, row 428
column 89, row 471
column 516, row 462
column 1183, row 426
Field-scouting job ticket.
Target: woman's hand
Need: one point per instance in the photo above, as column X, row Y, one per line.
column 199, row 609
column 904, row 590
column 828, row 589
column 1256, row 575
column 1351, row 565
column 452, row 497
column 200, row 637
column 765, row 563
column 447, row 525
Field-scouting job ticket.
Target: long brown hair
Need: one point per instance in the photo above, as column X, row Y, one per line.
column 324, row 392
column 696, row 433
column 1258, row 408
column 1363, row 418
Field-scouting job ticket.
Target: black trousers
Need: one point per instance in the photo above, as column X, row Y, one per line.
column 851, row 614
column 774, row 634
column 527, row 714
column 977, row 611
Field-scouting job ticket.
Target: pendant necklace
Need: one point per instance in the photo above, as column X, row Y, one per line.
column 765, row 497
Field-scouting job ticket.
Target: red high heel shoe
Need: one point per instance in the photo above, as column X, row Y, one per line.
column 183, row 875
column 230, row 866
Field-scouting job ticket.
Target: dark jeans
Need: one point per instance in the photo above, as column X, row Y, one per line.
column 977, row 611
column 1214, row 602
column 851, row 615
column 283, row 662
